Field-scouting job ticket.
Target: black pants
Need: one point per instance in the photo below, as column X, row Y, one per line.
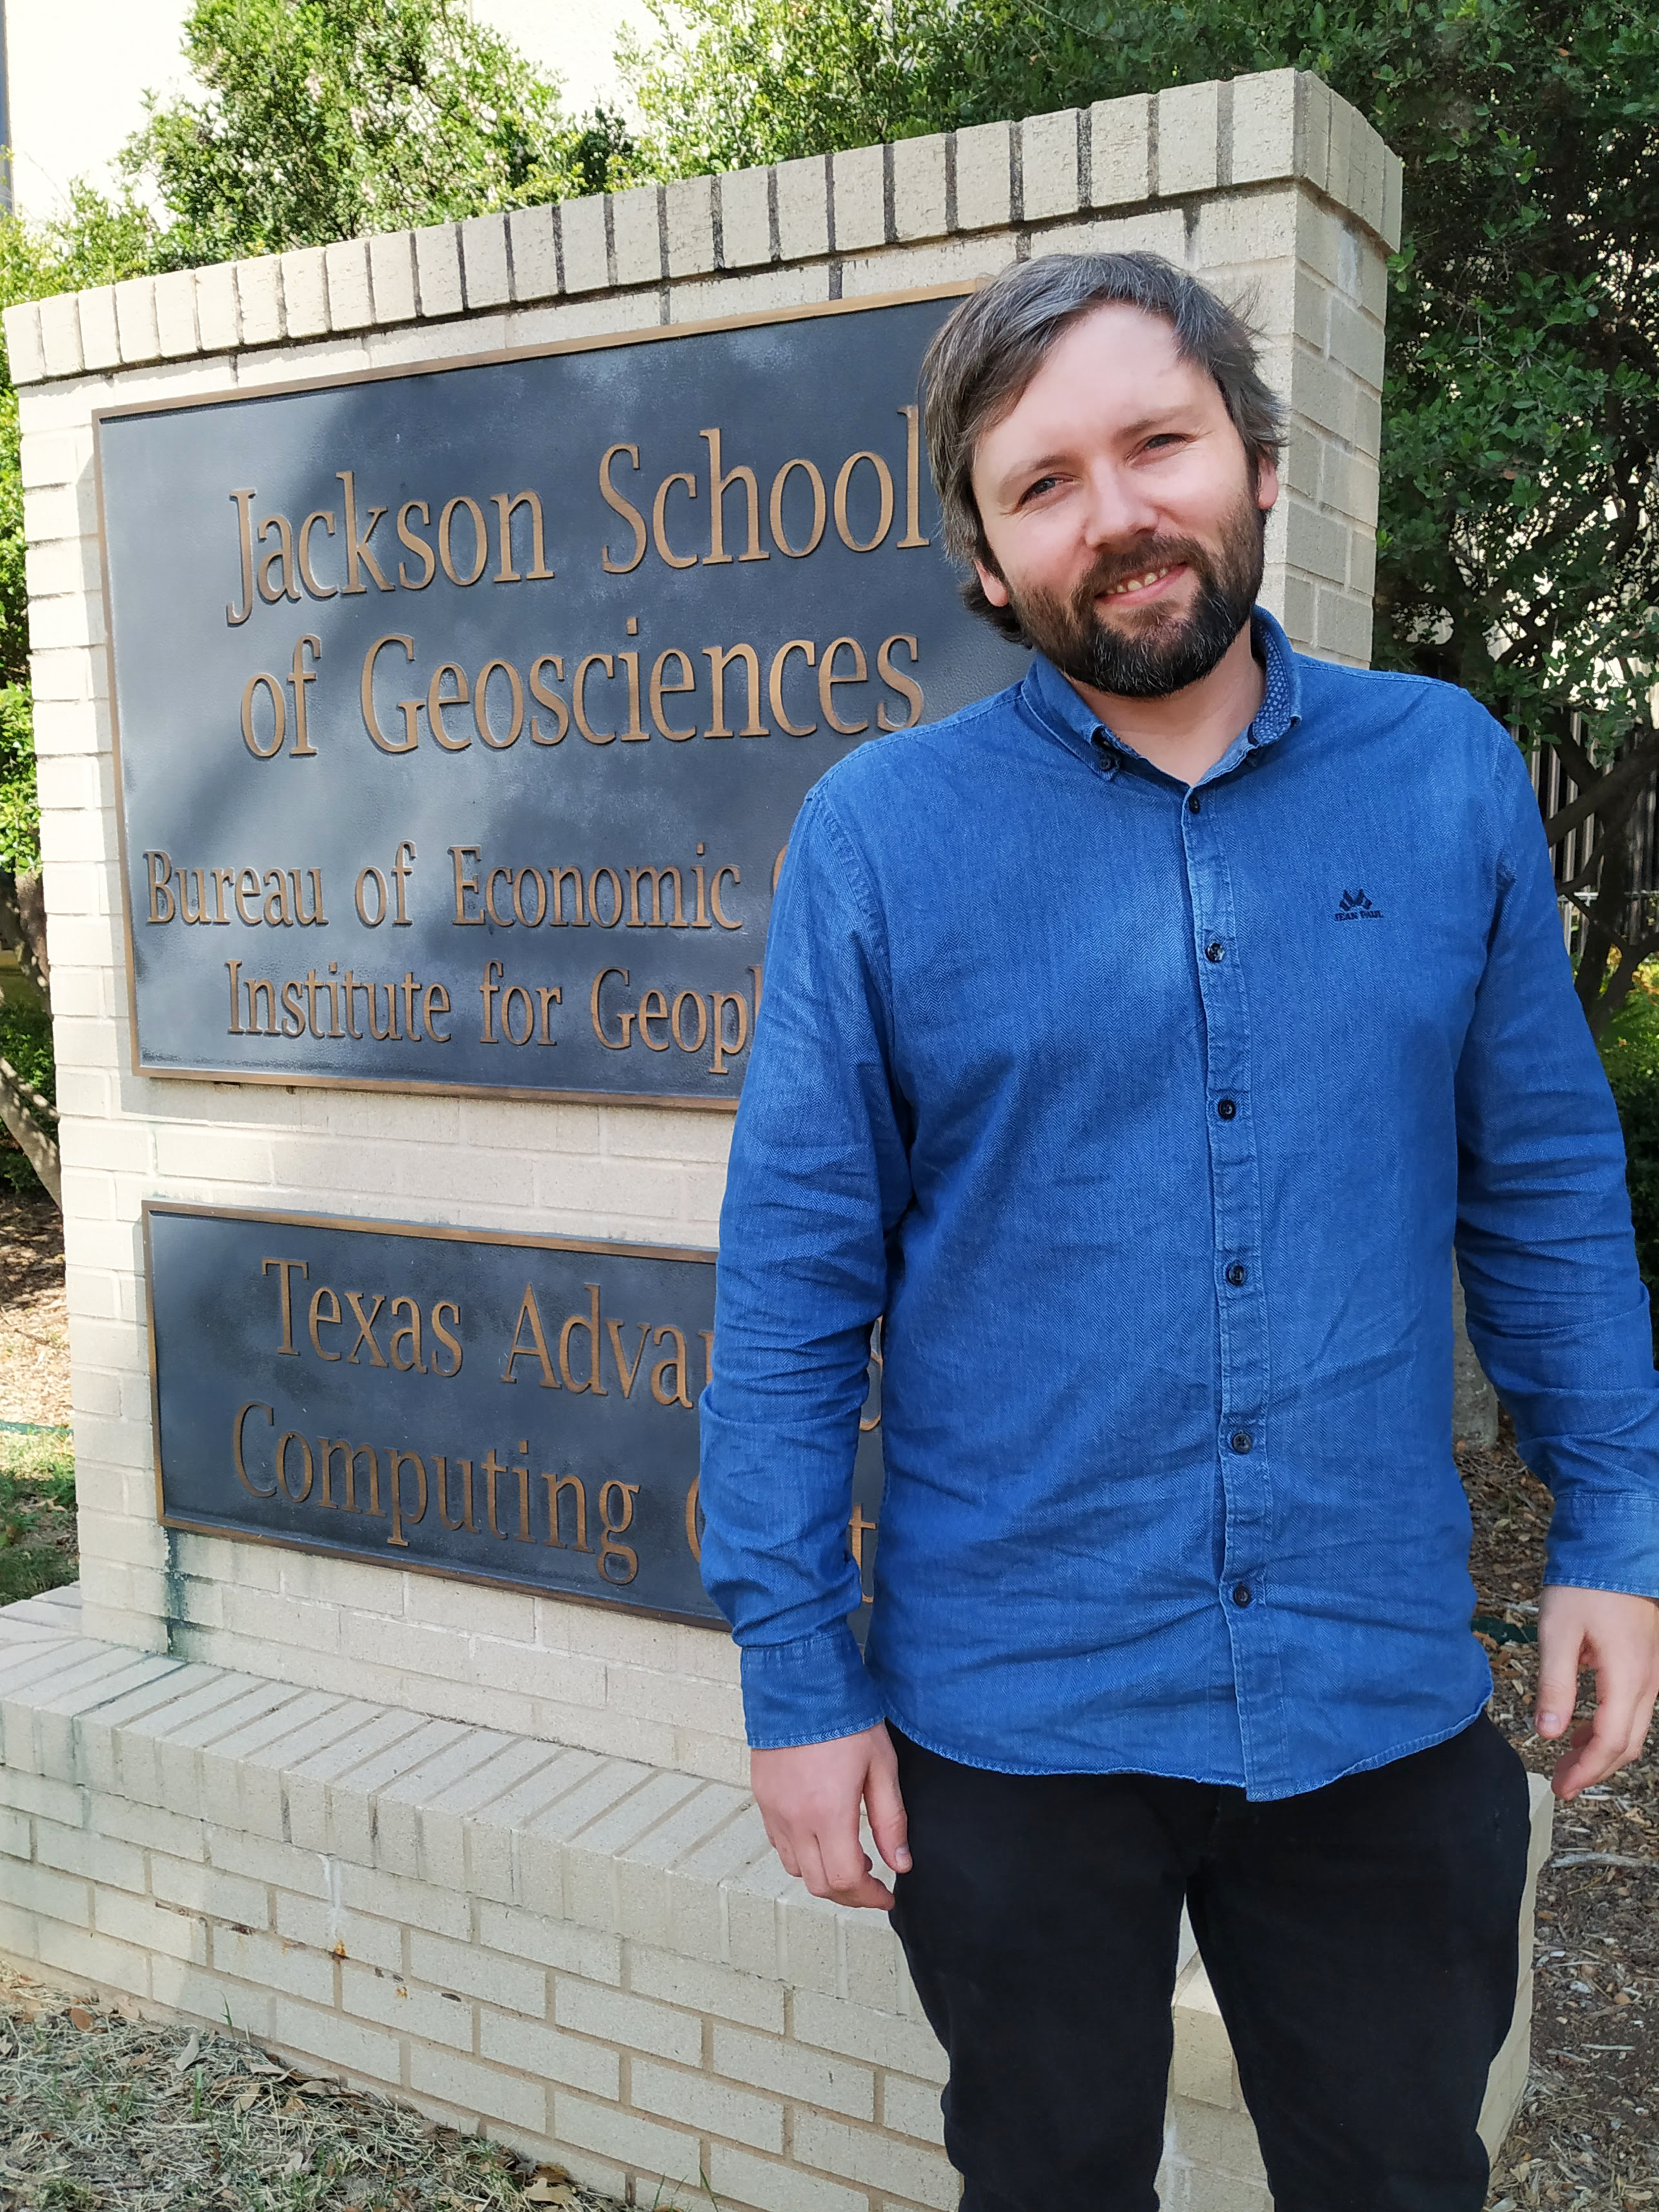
column 1360, row 1940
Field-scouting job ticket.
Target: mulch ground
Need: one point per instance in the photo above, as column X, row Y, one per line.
column 1588, row 2136
column 34, row 1374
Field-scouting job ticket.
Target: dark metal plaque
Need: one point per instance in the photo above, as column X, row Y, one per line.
column 462, row 713
column 517, row 1410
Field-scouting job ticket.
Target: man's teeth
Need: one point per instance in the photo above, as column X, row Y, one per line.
column 1138, row 583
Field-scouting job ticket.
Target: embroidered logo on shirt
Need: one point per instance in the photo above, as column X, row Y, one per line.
column 1355, row 907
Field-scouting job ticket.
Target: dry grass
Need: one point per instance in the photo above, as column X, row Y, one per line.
column 98, row 2112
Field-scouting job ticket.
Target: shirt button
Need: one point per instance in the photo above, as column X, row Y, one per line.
column 1215, row 950
column 1241, row 1593
column 1240, row 1440
column 1226, row 1108
column 1193, row 803
column 1237, row 1274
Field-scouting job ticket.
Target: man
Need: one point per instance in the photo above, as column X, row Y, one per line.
column 1137, row 1043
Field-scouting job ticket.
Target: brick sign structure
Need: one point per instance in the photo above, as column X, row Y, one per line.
column 458, row 1833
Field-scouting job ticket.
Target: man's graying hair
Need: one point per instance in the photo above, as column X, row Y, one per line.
column 994, row 344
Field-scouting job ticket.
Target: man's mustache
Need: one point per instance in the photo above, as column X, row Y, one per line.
column 1117, row 569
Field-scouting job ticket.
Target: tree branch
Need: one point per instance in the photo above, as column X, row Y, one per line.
column 1619, row 782
column 27, row 1114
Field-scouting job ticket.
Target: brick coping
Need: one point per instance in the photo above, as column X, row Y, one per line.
column 1146, row 149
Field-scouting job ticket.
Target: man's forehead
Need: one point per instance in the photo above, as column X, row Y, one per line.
column 1117, row 352
column 1117, row 369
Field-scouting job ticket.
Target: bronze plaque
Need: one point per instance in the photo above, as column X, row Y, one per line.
column 463, row 713
column 513, row 1409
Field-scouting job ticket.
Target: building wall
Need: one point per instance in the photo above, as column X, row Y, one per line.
column 1269, row 183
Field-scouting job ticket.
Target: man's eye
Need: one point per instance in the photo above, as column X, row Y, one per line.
column 1164, row 438
column 1036, row 491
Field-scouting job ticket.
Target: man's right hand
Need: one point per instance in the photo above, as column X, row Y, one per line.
column 809, row 1797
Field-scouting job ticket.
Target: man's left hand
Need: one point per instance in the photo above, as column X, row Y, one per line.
column 1618, row 1637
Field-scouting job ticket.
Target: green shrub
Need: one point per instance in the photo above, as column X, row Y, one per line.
column 36, row 1513
column 1630, row 1053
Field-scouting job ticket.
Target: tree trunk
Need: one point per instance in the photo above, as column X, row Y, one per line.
column 34, row 1122
column 23, row 928
column 1604, row 890
column 32, row 1119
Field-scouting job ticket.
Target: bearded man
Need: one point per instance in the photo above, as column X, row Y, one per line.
column 1139, row 1044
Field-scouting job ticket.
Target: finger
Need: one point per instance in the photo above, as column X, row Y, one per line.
column 870, row 1892
column 1642, row 1721
column 839, row 1881
column 1601, row 1752
column 885, row 1808
column 846, row 1870
column 1559, row 1651
column 810, row 1866
column 1637, row 1740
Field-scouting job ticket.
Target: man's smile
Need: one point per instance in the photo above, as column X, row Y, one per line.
column 1141, row 590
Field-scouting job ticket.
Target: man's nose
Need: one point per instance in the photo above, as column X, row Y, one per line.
column 1118, row 510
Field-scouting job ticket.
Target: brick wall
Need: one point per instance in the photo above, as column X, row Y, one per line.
column 1269, row 182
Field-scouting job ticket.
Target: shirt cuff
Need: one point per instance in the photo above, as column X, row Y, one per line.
column 1610, row 1550
column 811, row 1691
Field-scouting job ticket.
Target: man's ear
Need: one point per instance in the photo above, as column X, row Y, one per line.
column 1266, row 481
column 992, row 584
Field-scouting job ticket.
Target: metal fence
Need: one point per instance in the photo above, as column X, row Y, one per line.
column 1556, row 789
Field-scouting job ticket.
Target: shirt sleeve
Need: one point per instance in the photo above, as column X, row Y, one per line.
column 819, row 1173
column 1556, row 1306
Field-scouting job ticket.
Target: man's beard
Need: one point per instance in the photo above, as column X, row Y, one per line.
column 1166, row 650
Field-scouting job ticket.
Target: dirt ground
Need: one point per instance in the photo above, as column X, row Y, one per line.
column 34, row 1374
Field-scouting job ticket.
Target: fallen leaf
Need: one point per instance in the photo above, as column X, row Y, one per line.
column 188, row 2057
column 542, row 2191
column 248, row 2097
column 318, row 2088
column 264, row 2066
column 80, row 2017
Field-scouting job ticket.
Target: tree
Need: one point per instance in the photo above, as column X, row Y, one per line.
column 1517, row 550
column 314, row 121
column 322, row 119
column 96, row 242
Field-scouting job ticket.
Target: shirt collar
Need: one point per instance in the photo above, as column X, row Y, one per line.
column 1051, row 699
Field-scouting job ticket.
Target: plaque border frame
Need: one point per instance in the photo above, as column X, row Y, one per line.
column 958, row 289
column 533, row 1240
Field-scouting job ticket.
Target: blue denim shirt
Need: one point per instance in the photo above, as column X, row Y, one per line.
column 1148, row 1119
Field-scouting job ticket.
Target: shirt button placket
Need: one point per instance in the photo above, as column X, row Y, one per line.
column 1241, row 1441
